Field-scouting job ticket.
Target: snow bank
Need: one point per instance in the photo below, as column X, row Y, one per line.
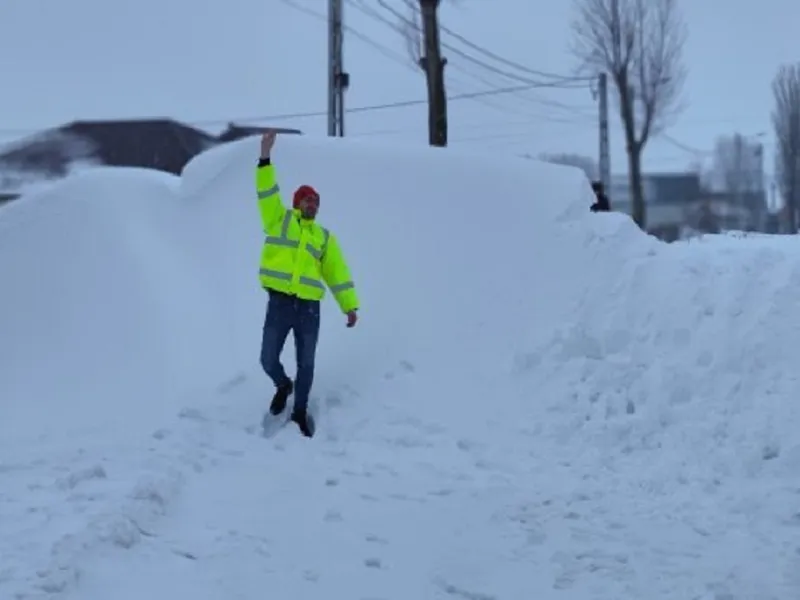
column 680, row 373
column 120, row 287
column 96, row 311
column 128, row 295
column 682, row 362
column 566, row 354
column 432, row 248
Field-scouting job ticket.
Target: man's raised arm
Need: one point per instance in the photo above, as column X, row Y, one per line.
column 270, row 204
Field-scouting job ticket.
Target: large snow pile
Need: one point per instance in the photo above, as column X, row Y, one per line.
column 537, row 402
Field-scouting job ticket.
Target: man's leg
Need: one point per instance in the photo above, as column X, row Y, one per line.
column 277, row 324
column 306, row 333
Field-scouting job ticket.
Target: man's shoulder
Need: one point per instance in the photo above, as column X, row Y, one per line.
column 320, row 228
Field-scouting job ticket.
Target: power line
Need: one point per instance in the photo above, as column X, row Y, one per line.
column 385, row 51
column 560, row 83
column 374, row 107
column 390, row 54
column 486, row 52
column 381, row 48
column 506, row 61
column 557, row 80
column 490, row 128
column 671, row 140
column 406, row 63
column 405, row 27
column 322, row 113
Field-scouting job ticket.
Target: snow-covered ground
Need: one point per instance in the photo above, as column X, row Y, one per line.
column 538, row 402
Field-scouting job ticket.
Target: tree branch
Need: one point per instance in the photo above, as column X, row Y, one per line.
column 640, row 44
column 786, row 124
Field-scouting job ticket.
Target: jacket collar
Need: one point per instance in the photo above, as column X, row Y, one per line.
column 300, row 220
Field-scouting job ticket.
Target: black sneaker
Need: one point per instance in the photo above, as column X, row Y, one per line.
column 278, row 404
column 305, row 422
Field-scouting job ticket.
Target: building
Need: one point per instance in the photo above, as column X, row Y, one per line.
column 162, row 144
column 676, row 201
column 667, row 196
column 746, row 211
column 620, row 192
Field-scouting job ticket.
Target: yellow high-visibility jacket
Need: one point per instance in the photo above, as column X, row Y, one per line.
column 299, row 254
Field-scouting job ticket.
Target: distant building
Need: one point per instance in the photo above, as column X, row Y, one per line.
column 619, row 192
column 675, row 201
column 161, row 144
column 746, row 212
column 667, row 196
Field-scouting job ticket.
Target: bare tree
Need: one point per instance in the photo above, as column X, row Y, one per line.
column 639, row 43
column 411, row 27
column 786, row 122
column 738, row 165
column 585, row 163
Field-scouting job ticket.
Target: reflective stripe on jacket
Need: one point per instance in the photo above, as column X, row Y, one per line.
column 299, row 256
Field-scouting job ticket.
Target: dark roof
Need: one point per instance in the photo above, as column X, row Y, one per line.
column 237, row 132
column 161, row 144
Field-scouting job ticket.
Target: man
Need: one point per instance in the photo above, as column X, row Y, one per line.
column 297, row 257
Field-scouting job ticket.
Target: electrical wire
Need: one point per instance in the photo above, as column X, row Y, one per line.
column 324, row 113
column 484, row 96
column 392, row 55
column 404, row 27
column 369, row 108
column 671, row 140
column 408, row 63
column 564, row 81
column 382, row 49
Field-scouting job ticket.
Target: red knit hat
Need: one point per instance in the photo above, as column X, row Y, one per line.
column 303, row 192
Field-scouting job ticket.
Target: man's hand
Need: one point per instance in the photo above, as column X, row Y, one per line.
column 267, row 142
column 352, row 318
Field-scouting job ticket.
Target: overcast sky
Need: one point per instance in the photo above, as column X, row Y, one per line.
column 246, row 60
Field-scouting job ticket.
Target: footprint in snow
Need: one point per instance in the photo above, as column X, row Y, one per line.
column 404, row 368
column 80, row 476
column 375, row 539
column 192, row 414
column 466, row 445
column 333, row 516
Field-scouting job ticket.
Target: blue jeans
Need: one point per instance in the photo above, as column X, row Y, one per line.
column 284, row 314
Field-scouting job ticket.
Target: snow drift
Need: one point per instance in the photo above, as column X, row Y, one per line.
column 643, row 394
column 96, row 310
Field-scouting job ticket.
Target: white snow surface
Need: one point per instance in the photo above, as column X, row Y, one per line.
column 538, row 402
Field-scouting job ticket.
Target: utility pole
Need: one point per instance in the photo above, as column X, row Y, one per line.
column 761, row 187
column 433, row 65
column 338, row 80
column 739, row 180
column 605, row 153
